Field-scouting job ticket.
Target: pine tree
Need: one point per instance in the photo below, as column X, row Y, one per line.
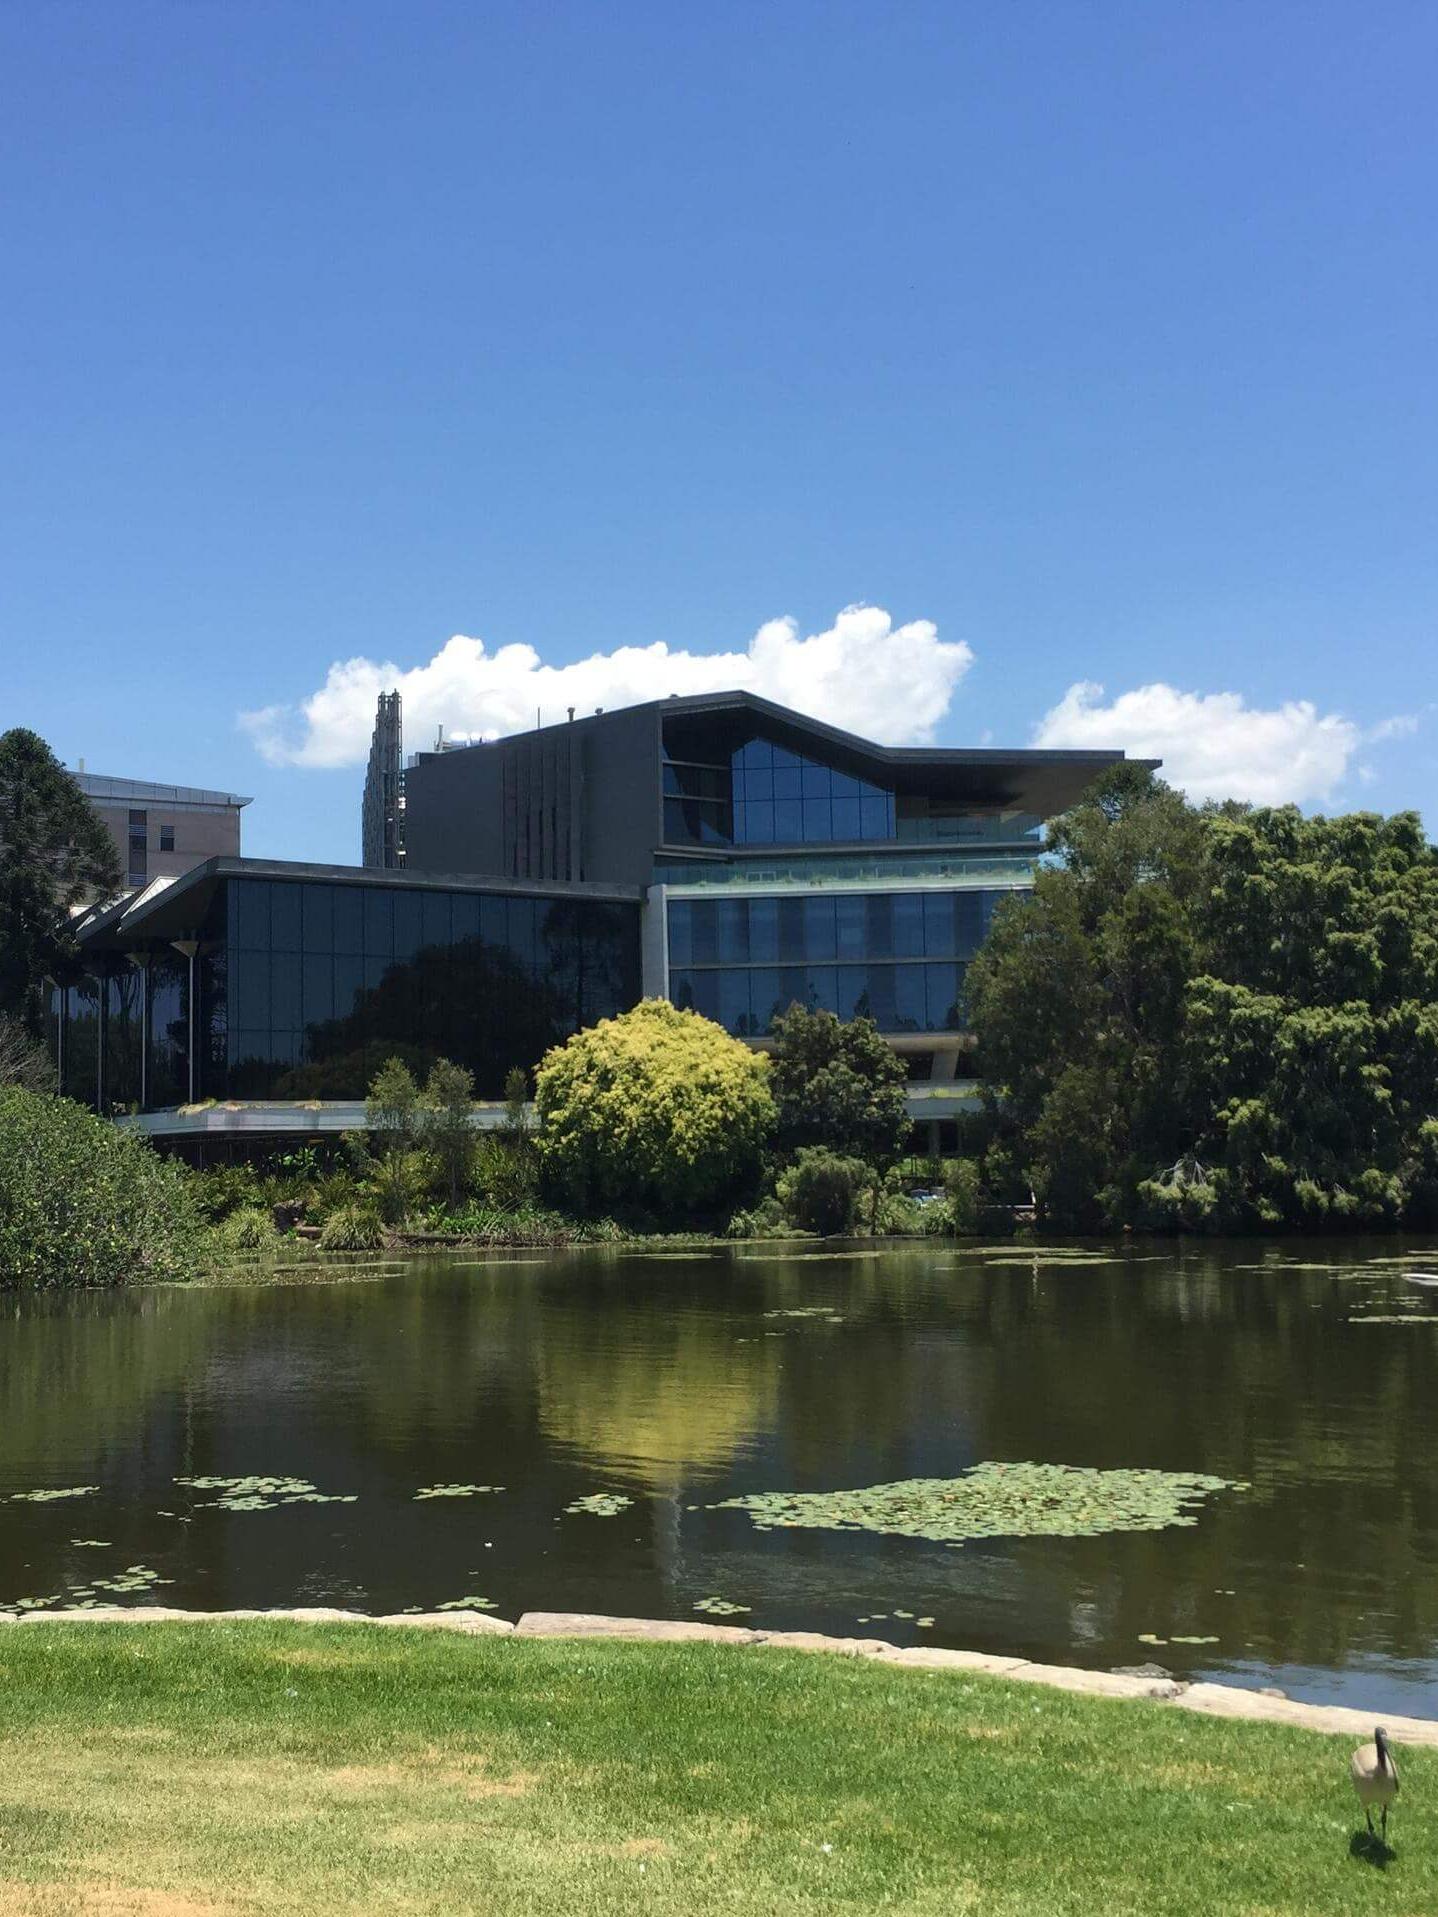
column 55, row 855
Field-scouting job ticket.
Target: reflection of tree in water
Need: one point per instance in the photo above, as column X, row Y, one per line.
column 663, row 1396
column 84, row 1373
column 1255, row 1378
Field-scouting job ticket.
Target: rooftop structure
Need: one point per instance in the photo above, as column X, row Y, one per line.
column 382, row 818
column 161, row 831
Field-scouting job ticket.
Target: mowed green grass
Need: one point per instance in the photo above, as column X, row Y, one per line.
column 192, row 1770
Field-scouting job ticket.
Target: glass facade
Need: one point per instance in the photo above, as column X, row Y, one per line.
column 766, row 794
column 897, row 957
column 763, row 793
column 781, row 798
column 326, row 981
column 305, row 988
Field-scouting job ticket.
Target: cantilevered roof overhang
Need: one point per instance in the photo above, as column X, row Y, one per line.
column 1039, row 782
column 177, row 908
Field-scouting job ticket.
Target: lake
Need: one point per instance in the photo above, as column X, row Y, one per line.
column 660, row 1385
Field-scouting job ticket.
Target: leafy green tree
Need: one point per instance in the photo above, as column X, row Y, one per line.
column 837, row 1085
column 84, row 1203
column 657, row 1108
column 392, row 1107
column 55, row 855
column 398, row 1170
column 1310, row 1042
column 1217, row 1018
column 447, row 1124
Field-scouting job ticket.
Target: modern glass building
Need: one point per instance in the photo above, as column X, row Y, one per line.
column 720, row 851
column 250, row 980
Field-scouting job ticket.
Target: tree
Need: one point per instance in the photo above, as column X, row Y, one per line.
column 392, row 1107
column 658, row 1108
column 55, row 855
column 1222, row 1018
column 837, row 1084
column 399, row 1171
column 448, row 1123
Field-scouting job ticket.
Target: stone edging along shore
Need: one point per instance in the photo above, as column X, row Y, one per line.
column 1212, row 1700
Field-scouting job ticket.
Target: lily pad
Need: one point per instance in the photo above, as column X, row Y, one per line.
column 456, row 1490
column 721, row 1607
column 600, row 1504
column 992, row 1501
column 467, row 1604
column 263, row 1494
column 50, row 1497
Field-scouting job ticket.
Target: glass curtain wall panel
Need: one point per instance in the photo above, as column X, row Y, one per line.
column 327, row 981
column 898, row 958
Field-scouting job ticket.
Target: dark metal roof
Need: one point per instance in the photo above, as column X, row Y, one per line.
column 165, row 911
column 1021, row 779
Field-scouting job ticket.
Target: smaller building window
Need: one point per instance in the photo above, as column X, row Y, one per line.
column 167, row 838
column 137, row 863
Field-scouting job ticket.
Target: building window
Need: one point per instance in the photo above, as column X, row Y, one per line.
column 782, row 798
column 137, row 865
column 167, row 838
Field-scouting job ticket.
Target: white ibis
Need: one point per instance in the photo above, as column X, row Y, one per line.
column 1375, row 1778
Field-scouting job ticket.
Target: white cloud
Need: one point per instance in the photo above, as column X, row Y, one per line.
column 891, row 683
column 1213, row 745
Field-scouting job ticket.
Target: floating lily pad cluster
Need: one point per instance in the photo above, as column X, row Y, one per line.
column 993, row 1501
column 824, row 1312
column 721, row 1607
column 601, row 1504
column 262, row 1494
column 85, row 1597
column 50, row 1497
column 457, row 1490
column 466, row 1604
column 135, row 1577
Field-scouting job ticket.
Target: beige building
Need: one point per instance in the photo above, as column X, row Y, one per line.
column 161, row 831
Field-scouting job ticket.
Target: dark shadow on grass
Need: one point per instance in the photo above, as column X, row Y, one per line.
column 1369, row 1849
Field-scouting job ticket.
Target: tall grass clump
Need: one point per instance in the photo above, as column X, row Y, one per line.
column 352, row 1228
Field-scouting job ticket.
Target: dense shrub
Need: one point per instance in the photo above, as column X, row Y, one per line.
column 767, row 1219
column 223, row 1190
column 82, row 1203
column 506, row 1171
column 352, row 1228
column 899, row 1216
column 656, row 1108
column 820, row 1191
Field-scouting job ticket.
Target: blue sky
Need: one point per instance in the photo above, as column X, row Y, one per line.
column 1093, row 343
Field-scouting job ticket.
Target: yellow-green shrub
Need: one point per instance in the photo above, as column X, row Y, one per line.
column 656, row 1108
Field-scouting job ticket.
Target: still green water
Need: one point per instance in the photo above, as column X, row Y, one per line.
column 659, row 1385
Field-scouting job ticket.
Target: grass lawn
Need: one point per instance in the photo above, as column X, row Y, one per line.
column 193, row 1770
